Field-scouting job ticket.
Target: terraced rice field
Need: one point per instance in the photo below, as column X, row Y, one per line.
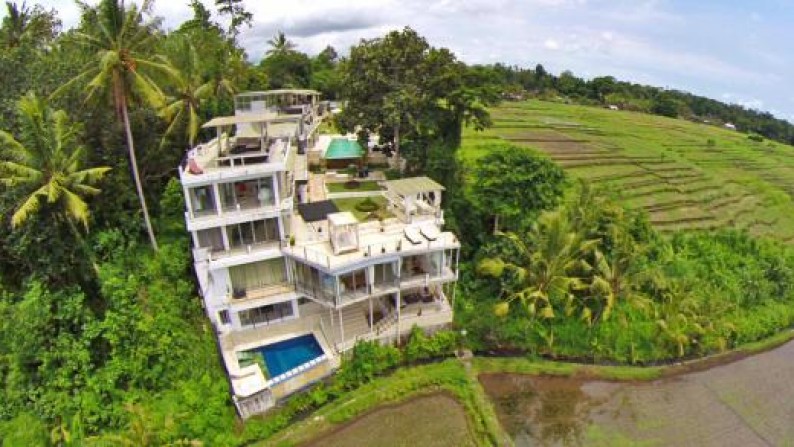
column 685, row 175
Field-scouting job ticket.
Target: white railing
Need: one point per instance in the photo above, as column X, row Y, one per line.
column 394, row 247
column 351, row 194
column 296, row 371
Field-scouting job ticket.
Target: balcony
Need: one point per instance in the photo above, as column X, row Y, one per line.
column 226, row 157
column 374, row 246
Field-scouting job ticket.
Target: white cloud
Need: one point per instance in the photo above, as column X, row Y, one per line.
column 551, row 44
column 707, row 48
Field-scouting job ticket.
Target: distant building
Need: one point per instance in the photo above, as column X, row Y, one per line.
column 730, row 126
column 613, row 107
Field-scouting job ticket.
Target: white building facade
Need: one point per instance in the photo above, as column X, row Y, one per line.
column 271, row 270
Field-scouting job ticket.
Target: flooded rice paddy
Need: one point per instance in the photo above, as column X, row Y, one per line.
column 749, row 402
column 436, row 420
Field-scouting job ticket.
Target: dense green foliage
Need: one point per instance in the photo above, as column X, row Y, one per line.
column 515, row 186
column 415, row 97
column 103, row 341
column 594, row 281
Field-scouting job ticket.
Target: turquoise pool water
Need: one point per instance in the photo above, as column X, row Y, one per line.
column 289, row 354
column 342, row 148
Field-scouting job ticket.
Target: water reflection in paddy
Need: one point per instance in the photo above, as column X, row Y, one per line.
column 746, row 403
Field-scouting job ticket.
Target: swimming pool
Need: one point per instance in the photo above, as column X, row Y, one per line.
column 289, row 354
column 343, row 149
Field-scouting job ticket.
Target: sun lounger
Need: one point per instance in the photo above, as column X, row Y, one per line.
column 430, row 232
column 413, row 235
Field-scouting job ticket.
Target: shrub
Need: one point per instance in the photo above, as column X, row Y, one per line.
column 367, row 360
column 367, row 205
column 422, row 347
column 755, row 137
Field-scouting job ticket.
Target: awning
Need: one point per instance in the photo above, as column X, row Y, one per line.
column 222, row 121
column 414, row 185
column 317, row 211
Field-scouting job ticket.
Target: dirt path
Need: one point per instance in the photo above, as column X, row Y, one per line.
column 749, row 402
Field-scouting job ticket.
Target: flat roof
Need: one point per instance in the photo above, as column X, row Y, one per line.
column 413, row 185
column 317, row 211
column 283, row 91
column 221, row 121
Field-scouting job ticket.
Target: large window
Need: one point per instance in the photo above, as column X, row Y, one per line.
column 202, row 200
column 247, row 194
column 385, row 274
column 257, row 275
column 313, row 282
column 353, row 285
column 252, row 233
column 211, row 238
column 266, row 314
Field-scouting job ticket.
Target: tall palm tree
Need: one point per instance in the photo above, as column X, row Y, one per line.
column 22, row 23
column 279, row 44
column 192, row 88
column 45, row 164
column 123, row 68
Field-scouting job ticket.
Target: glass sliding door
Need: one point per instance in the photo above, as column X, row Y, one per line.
column 253, row 233
column 202, row 200
column 211, row 238
column 258, row 275
column 266, row 314
column 247, row 194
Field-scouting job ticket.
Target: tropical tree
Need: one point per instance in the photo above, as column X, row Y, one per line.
column 279, row 44
column 237, row 13
column 45, row 165
column 541, row 277
column 192, row 88
column 24, row 24
column 406, row 91
column 122, row 67
column 508, row 168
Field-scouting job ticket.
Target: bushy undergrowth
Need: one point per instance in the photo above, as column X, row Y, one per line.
column 691, row 295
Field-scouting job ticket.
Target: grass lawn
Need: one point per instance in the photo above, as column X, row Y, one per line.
column 350, row 205
column 366, row 185
column 668, row 167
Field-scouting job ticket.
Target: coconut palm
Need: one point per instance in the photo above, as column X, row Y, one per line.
column 123, row 69
column 192, row 88
column 22, row 23
column 617, row 277
column 45, row 165
column 279, row 44
column 542, row 278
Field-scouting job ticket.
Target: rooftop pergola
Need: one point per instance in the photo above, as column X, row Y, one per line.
column 343, row 230
column 415, row 195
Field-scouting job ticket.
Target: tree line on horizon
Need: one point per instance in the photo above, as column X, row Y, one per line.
column 102, row 338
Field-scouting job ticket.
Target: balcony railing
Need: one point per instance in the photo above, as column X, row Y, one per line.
column 329, row 261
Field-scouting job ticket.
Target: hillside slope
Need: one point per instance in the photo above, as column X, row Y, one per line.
column 686, row 175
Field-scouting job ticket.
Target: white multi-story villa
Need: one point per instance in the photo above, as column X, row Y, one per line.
column 293, row 268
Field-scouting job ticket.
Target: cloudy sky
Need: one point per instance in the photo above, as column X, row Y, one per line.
column 736, row 51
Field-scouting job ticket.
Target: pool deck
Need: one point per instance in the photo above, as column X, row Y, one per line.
column 324, row 325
